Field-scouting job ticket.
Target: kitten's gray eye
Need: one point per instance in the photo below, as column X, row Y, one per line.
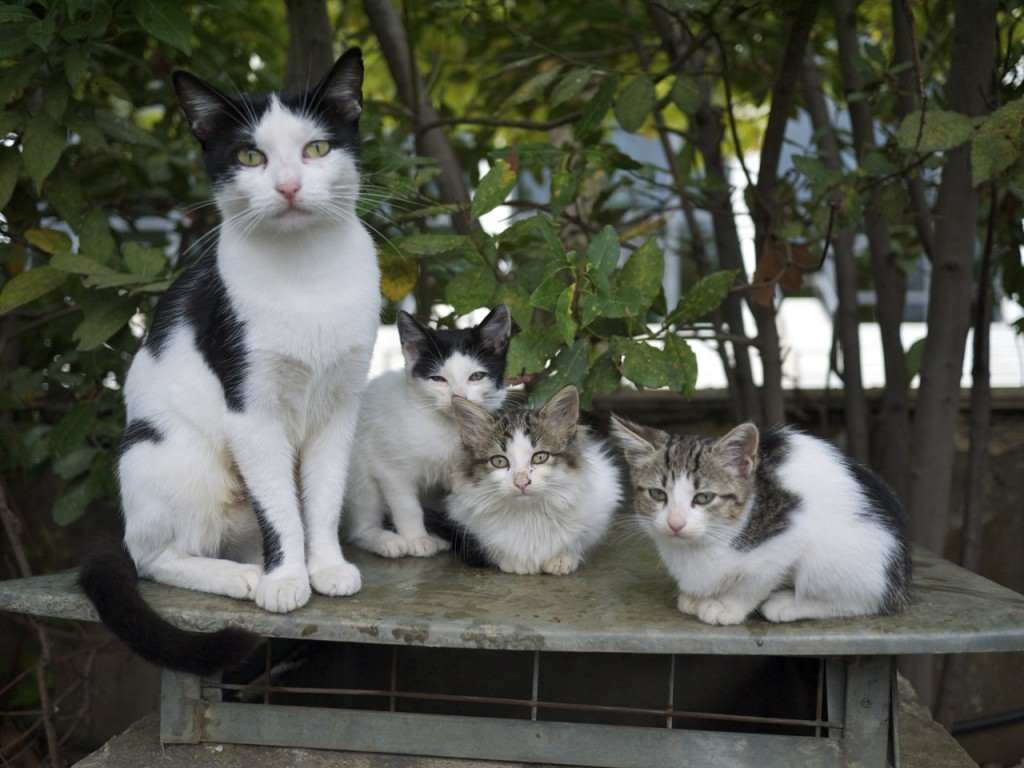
column 704, row 497
column 438, row 379
column 478, row 376
column 499, row 462
column 540, row 457
column 250, row 157
column 658, row 495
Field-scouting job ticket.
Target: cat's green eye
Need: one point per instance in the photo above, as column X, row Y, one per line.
column 658, row 495
column 478, row 376
column 438, row 379
column 250, row 158
column 540, row 457
column 499, row 462
column 704, row 497
column 316, row 149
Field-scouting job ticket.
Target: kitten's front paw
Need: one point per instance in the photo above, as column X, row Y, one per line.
column 385, row 544
column 560, row 565
column 244, row 585
column 338, row 580
column 281, row 594
column 782, row 606
column 687, row 604
column 712, row 611
column 511, row 565
column 426, row 546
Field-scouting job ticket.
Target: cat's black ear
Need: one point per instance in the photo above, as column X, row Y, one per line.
column 474, row 423
column 495, row 329
column 341, row 90
column 562, row 412
column 413, row 336
column 202, row 103
column 738, row 449
column 637, row 442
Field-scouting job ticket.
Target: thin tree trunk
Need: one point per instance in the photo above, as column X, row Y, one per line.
column 431, row 140
column 763, row 210
column 311, row 45
column 846, row 317
column 889, row 279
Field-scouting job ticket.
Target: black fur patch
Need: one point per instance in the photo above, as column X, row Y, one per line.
column 139, row 431
column 273, row 554
column 774, row 506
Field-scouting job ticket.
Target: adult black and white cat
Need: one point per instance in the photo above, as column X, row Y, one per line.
column 535, row 489
column 776, row 521
column 407, row 442
column 242, row 402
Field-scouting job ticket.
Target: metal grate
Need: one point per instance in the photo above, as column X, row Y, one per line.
column 767, row 695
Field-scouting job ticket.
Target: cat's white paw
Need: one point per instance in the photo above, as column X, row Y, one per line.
column 242, row 585
column 782, row 606
column 425, row 546
column 712, row 611
column 337, row 580
column 281, row 594
column 385, row 544
column 687, row 604
column 560, row 565
column 512, row 565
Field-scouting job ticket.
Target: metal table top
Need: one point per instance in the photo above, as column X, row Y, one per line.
column 621, row 600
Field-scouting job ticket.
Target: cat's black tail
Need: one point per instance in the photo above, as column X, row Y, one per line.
column 110, row 580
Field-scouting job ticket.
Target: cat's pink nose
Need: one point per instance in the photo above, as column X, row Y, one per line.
column 676, row 524
column 522, row 479
column 289, row 189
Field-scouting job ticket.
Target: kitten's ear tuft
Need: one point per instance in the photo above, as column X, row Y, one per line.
column 341, row 90
column 202, row 103
column 474, row 423
column 495, row 329
column 414, row 337
column 637, row 441
column 738, row 449
column 562, row 413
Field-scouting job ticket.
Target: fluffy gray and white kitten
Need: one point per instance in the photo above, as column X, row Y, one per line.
column 407, row 442
column 534, row 489
column 776, row 521
column 242, row 402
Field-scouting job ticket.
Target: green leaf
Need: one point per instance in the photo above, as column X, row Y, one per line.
column 682, row 363
column 569, row 87
column 565, row 186
column 604, row 375
column 75, row 463
column 48, row 240
column 639, row 281
column 72, row 502
column 564, row 320
column 29, row 286
column 570, row 367
column 10, row 170
column 816, row 171
column 532, row 348
column 532, row 88
column 471, row 289
column 686, row 95
column 102, row 321
column 493, row 188
column 164, row 20
column 425, row 246
column 517, row 299
column 545, row 296
column 76, row 65
column 635, row 103
column 709, row 292
column 42, row 147
column 915, row 357
column 645, row 365
column 69, row 433
column 144, row 261
column 943, row 130
column 95, row 238
column 998, row 144
column 595, row 110
column 603, row 251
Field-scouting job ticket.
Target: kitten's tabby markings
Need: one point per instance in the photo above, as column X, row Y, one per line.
column 535, row 490
column 775, row 520
column 242, row 402
column 407, row 442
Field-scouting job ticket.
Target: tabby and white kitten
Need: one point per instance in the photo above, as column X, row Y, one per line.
column 776, row 521
column 534, row 489
column 242, row 402
column 407, row 442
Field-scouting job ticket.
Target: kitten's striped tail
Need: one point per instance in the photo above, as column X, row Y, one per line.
column 110, row 580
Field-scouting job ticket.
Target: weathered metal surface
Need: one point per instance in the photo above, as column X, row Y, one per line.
column 867, row 721
column 516, row 740
column 621, row 600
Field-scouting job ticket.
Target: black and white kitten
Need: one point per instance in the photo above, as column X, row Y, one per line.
column 534, row 490
column 242, row 402
column 776, row 521
column 407, row 442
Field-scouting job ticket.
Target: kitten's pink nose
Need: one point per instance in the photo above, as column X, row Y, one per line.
column 289, row 189
column 676, row 523
column 521, row 480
